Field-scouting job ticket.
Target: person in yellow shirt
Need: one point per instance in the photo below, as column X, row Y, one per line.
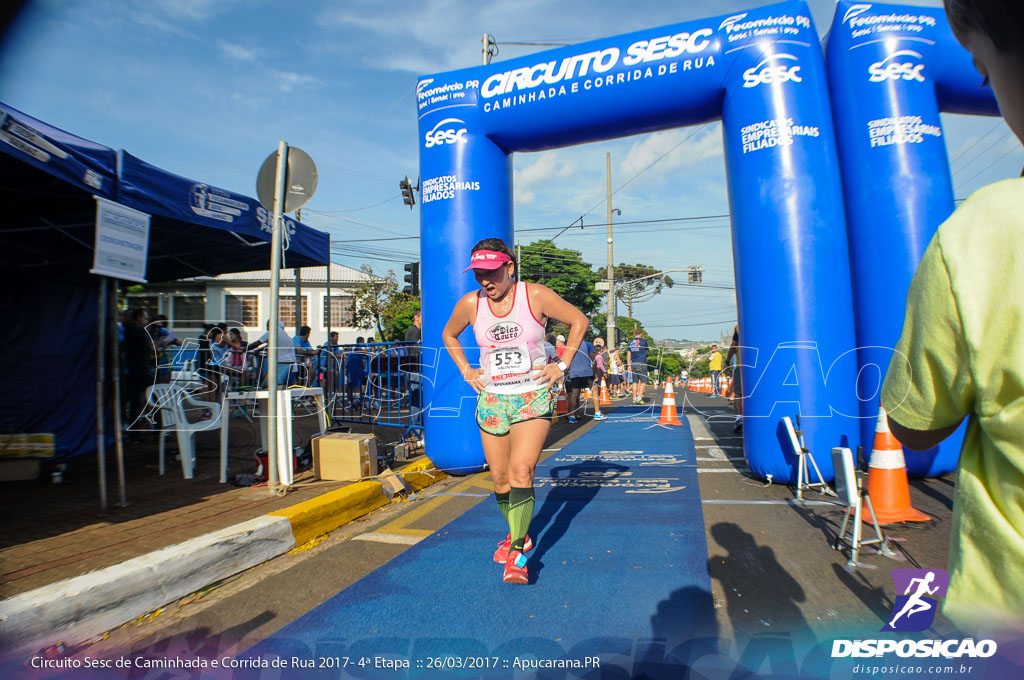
column 715, row 366
column 961, row 353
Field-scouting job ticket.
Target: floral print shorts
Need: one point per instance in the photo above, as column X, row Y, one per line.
column 497, row 413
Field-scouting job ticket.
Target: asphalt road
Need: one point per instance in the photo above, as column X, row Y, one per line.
column 770, row 560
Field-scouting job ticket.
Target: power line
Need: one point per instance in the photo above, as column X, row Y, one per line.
column 982, row 153
column 589, row 226
column 1008, row 152
column 975, row 146
column 688, row 325
column 365, row 207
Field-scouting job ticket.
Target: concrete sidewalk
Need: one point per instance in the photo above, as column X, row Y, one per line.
column 75, row 610
column 69, row 573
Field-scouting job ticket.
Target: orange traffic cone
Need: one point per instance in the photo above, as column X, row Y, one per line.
column 562, row 405
column 668, row 408
column 586, row 394
column 605, row 399
column 887, row 478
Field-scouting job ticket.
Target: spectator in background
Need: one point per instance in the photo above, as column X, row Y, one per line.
column 414, row 333
column 615, row 375
column 285, row 352
column 304, row 353
column 714, row 358
column 600, row 362
column 550, row 351
column 637, row 360
column 559, row 345
column 163, row 341
column 328, row 363
column 140, row 365
column 355, row 372
column 580, row 377
column 961, row 355
column 238, row 356
column 220, row 359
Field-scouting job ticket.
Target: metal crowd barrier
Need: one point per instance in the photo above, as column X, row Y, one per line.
column 377, row 383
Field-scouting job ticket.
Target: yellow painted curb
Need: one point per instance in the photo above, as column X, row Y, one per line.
column 326, row 513
column 416, row 477
column 333, row 509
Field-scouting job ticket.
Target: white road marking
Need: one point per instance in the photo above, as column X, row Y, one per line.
column 388, row 538
column 716, row 501
column 741, row 471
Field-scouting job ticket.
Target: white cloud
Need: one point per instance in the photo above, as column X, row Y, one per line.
column 288, row 81
column 550, row 166
column 686, row 148
column 239, row 52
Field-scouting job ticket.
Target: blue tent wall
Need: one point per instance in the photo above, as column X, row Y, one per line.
column 49, row 363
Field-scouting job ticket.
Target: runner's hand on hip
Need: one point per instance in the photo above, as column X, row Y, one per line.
column 548, row 375
column 475, row 378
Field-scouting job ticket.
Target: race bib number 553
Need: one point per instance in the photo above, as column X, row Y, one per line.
column 509, row 360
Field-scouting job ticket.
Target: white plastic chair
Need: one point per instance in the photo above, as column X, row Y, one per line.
column 170, row 400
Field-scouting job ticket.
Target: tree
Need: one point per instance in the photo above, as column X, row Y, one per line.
column 563, row 271
column 373, row 296
column 624, row 325
column 629, row 289
column 398, row 315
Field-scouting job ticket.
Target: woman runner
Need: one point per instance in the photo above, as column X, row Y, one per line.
column 514, row 382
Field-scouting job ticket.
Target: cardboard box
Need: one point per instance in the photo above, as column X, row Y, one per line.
column 345, row 456
column 18, row 469
column 392, row 483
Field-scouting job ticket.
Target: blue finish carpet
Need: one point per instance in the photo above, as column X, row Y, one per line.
column 618, row 571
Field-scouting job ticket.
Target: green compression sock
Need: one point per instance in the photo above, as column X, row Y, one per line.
column 502, row 499
column 520, row 512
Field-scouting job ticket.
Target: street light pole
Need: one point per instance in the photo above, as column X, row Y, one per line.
column 610, row 330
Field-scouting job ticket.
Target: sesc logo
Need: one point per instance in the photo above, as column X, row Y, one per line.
column 766, row 73
column 882, row 71
column 451, row 135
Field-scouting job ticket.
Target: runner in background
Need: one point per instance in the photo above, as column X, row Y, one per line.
column 732, row 358
column 513, row 382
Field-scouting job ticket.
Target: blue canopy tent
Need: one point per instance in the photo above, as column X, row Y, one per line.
column 48, row 178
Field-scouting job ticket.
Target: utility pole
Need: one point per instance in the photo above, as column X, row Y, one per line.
column 610, row 339
column 298, row 285
column 488, row 43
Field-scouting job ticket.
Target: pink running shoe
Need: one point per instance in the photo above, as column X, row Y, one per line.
column 501, row 554
column 515, row 569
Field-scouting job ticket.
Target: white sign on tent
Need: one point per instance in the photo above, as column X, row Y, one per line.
column 122, row 241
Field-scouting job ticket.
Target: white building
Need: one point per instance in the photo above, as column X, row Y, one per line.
column 242, row 300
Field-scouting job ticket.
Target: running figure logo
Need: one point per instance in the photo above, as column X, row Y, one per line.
column 915, row 609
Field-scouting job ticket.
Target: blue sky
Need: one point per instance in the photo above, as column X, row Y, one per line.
column 206, row 88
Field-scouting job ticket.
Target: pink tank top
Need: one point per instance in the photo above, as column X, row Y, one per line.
column 511, row 346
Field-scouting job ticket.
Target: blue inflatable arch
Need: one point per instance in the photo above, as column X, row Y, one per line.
column 892, row 69
column 761, row 72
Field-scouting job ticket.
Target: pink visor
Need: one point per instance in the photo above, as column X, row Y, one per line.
column 487, row 259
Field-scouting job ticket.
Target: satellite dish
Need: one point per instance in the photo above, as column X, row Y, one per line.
column 300, row 184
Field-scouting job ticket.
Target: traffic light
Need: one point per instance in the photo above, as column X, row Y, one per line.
column 695, row 274
column 413, row 279
column 408, row 198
